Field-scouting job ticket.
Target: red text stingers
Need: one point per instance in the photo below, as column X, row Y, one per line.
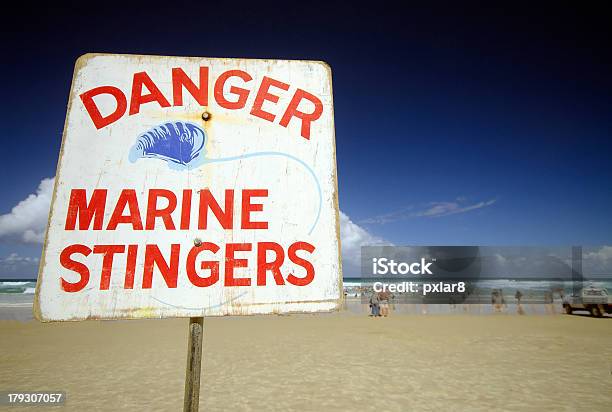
column 205, row 264
column 305, row 107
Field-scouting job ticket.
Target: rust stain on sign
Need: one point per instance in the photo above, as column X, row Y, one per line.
column 193, row 187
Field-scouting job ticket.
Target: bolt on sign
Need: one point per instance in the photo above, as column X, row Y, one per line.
column 191, row 187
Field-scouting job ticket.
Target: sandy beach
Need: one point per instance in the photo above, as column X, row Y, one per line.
column 340, row 361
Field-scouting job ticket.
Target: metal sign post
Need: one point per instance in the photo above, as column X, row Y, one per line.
column 194, row 365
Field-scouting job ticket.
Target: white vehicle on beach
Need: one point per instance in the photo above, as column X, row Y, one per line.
column 592, row 299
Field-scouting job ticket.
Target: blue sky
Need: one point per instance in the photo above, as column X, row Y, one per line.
column 465, row 125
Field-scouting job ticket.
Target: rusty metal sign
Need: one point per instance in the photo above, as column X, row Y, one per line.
column 193, row 187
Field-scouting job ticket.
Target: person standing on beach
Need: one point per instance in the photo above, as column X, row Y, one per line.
column 495, row 300
column 502, row 300
column 548, row 301
column 375, row 304
column 518, row 295
column 384, row 303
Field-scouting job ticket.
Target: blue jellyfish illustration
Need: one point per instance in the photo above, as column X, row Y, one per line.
column 178, row 143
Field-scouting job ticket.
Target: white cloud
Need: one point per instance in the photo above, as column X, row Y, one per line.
column 433, row 209
column 603, row 254
column 501, row 260
column 389, row 217
column 14, row 264
column 27, row 220
column 437, row 209
column 598, row 261
column 353, row 237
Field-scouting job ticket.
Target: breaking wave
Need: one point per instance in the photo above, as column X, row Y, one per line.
column 18, row 287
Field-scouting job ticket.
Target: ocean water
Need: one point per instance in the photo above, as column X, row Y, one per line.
column 16, row 299
column 26, row 287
